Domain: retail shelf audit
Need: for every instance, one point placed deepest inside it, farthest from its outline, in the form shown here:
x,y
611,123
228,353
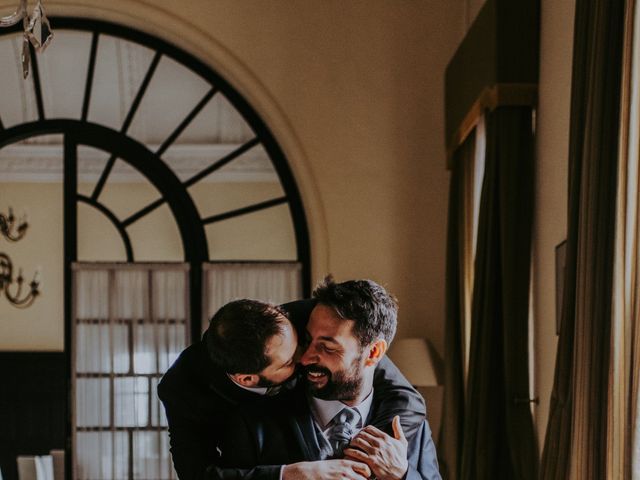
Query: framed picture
x,y
561,262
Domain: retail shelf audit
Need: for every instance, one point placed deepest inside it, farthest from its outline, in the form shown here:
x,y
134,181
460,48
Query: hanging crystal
x,y
25,57
39,30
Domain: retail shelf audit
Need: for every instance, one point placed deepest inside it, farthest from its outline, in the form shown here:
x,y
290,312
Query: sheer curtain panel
x,y
577,436
458,286
130,324
623,448
275,282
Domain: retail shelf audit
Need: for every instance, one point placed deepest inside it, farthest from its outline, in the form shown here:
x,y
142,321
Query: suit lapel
x,y
304,428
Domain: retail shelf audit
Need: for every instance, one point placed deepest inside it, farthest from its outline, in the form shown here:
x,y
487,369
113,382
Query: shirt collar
x,y
324,410
258,390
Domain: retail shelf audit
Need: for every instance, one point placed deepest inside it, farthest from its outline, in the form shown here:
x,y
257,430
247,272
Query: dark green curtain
x,y
450,442
593,151
498,439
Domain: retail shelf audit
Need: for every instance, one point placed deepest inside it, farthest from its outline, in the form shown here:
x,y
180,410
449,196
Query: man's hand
x,y
326,470
385,455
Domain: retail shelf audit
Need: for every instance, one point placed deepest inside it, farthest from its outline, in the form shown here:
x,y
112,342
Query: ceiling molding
x,y
22,163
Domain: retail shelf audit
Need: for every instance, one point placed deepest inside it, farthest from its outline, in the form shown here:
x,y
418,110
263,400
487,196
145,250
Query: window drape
x,y
498,437
459,242
576,438
130,324
623,449
275,282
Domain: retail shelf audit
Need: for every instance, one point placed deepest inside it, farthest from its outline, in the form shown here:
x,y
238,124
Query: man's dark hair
x,y
238,334
373,310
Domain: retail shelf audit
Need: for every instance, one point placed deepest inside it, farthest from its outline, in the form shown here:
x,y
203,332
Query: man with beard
x,y
331,415
247,353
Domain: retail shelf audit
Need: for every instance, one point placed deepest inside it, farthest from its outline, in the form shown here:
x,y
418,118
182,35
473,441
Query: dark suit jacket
x,y
199,398
283,433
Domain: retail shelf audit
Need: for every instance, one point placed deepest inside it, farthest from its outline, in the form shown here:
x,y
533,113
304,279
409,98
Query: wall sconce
x,y
37,30
14,231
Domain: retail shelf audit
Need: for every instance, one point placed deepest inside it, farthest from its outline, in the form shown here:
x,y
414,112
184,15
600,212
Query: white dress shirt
x,y
258,390
324,411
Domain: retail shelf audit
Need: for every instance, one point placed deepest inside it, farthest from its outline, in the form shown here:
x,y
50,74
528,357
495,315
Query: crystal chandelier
x,y
14,231
37,30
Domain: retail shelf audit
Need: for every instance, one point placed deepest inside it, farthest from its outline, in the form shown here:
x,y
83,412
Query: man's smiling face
x,y
333,360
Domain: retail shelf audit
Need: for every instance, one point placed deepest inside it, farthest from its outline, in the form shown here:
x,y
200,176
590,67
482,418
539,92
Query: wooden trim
x,y
122,266
498,95
212,265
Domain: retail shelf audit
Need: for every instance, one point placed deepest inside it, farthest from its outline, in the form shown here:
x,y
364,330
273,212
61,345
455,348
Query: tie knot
x,y
347,415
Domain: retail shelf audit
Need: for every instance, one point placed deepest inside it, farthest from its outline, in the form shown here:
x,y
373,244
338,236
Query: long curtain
x,y
498,436
458,249
623,449
275,282
130,324
632,263
576,439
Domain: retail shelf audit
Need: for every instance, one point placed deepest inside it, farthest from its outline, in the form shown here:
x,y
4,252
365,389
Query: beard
x,y
286,384
265,382
343,385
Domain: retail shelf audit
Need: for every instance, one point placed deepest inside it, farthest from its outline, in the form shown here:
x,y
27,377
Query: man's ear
x,y
376,351
246,379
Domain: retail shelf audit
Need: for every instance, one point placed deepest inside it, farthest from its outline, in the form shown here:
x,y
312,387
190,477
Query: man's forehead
x,y
325,322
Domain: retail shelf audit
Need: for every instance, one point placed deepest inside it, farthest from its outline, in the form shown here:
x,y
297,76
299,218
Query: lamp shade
x,y
414,359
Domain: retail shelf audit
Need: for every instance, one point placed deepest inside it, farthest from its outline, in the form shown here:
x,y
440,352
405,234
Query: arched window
x,y
159,159
118,103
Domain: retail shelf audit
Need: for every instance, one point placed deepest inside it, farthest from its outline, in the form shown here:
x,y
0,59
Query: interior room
x,y
477,158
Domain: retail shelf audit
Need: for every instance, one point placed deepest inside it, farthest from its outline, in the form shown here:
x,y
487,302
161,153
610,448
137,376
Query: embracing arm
x,y
394,457
245,444
194,449
422,457
394,395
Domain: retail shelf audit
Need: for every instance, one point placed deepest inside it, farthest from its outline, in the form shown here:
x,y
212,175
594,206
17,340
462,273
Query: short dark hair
x,y
374,311
238,334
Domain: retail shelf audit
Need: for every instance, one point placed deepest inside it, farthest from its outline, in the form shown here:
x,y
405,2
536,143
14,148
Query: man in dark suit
x,y
247,353
332,413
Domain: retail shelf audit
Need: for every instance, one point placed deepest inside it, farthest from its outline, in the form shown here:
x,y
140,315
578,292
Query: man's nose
x,y
308,357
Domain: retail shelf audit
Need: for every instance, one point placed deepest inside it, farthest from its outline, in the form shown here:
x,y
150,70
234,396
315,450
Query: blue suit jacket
x,y
283,433
199,399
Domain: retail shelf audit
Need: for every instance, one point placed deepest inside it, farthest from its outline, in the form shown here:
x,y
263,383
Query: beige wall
x,y
354,93
551,187
39,327
472,8
154,238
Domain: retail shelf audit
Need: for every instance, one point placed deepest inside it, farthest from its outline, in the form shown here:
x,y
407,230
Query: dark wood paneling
x,y
501,47
32,406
